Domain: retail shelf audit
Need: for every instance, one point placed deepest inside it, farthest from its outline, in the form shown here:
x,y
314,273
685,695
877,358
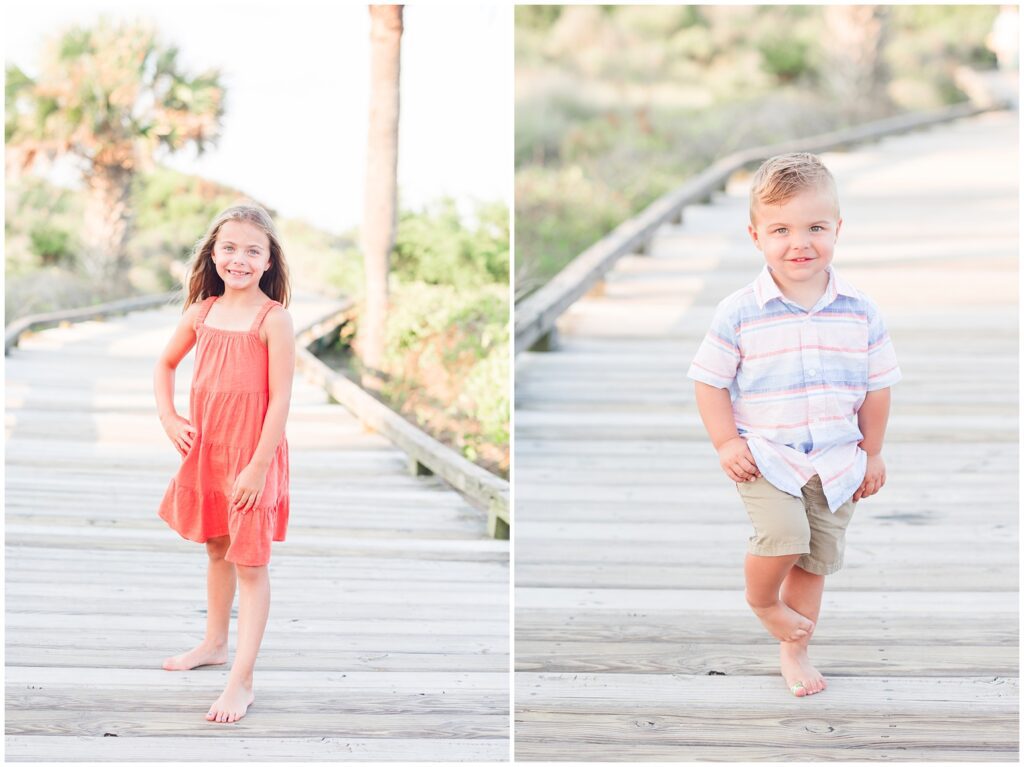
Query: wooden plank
x,y
270,658
680,626
128,723
283,700
782,730
366,609
875,575
672,693
924,603
143,678
397,626
907,659
252,749
289,641
554,751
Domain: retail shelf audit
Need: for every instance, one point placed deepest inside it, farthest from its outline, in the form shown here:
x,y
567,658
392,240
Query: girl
x,y
231,491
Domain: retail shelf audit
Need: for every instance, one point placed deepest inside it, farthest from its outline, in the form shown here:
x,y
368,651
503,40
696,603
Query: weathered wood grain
x,y
254,749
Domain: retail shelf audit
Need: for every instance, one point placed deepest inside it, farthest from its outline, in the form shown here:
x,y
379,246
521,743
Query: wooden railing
x,y
32,322
537,314
426,454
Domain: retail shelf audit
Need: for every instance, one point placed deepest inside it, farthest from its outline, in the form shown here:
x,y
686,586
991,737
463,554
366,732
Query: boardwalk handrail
x,y
32,322
471,480
536,315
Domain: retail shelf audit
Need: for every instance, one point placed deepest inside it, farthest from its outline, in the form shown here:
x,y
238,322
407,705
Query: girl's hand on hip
x,y
181,433
874,478
248,489
737,461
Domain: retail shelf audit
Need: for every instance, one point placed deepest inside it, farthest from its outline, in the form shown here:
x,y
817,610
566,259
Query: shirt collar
x,y
765,288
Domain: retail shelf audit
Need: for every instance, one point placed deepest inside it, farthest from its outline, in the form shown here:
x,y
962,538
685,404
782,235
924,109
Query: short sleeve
x,y
883,370
719,355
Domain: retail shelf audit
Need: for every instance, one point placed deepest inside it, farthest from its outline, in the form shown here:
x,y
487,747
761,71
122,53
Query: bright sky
x,y
297,80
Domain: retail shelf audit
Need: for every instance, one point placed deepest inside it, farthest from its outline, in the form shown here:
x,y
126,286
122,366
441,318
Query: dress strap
x,y
270,304
204,309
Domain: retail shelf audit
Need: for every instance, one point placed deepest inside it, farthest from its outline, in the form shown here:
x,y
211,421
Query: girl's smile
x,y
242,252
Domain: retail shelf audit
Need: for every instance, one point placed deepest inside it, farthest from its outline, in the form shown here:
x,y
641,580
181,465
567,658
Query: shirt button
x,y
812,372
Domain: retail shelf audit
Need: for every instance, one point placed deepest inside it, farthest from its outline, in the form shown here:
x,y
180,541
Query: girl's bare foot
x,y
232,703
204,654
783,622
801,677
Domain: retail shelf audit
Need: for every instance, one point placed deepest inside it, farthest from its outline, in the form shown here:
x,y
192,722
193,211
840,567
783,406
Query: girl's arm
x,y
248,487
178,429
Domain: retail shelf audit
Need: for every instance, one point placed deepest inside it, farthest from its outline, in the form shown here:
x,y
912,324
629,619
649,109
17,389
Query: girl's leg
x,y
220,593
765,576
253,609
802,591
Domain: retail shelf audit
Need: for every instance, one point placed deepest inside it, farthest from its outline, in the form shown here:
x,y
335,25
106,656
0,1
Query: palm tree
x,y
109,96
380,203
857,36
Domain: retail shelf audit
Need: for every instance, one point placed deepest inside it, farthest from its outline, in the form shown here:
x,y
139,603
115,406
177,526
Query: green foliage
x,y
784,58
559,212
446,357
51,244
537,16
436,247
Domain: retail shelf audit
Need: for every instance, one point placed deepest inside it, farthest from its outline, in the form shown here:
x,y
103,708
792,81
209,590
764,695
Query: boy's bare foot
x,y
203,654
784,623
801,677
232,703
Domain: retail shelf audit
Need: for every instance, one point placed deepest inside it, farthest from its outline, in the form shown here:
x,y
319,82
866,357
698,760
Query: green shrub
x,y
435,246
446,361
51,244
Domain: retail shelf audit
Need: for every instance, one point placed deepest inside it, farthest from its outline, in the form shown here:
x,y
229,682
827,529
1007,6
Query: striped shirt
x,y
797,379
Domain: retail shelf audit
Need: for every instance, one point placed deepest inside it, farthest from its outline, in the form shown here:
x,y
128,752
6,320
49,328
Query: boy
x,y
793,385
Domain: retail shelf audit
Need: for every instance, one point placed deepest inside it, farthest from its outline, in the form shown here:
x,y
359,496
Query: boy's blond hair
x,y
781,177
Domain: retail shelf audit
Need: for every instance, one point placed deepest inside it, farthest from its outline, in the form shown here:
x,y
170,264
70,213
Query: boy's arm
x,y
715,407
872,419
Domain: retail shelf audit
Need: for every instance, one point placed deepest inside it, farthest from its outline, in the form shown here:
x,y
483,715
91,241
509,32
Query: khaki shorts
x,y
785,524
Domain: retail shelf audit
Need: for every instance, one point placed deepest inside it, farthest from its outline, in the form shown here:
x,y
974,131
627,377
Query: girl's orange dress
x,y
227,406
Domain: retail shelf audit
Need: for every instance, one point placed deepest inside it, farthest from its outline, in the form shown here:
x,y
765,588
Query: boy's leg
x,y
220,593
802,591
765,576
253,610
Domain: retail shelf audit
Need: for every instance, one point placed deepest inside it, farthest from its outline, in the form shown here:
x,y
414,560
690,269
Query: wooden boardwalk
x,y
633,640
388,631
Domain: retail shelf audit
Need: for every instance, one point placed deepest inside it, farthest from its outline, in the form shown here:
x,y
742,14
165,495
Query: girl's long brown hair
x,y
203,279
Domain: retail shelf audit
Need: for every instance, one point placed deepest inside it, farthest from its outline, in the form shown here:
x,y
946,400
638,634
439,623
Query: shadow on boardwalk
x,y
633,640
388,632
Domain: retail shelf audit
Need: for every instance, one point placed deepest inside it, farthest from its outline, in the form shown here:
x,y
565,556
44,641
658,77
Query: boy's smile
x,y
797,238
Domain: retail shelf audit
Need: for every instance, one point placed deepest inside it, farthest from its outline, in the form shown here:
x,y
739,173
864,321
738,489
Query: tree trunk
x,y
107,224
380,202
856,36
